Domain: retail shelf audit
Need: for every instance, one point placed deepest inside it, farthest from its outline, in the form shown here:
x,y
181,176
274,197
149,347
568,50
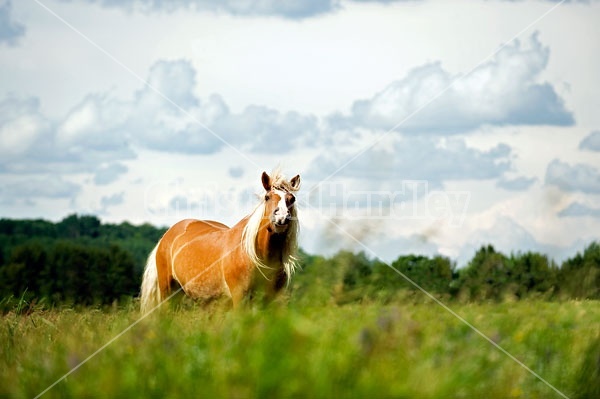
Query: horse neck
x,y
270,246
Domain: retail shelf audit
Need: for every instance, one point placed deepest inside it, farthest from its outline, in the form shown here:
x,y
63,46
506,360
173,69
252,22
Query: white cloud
x,y
591,142
10,30
173,79
180,203
557,1
579,177
30,142
520,183
417,158
92,134
93,123
508,236
236,172
282,8
502,91
50,186
288,9
101,130
168,116
330,236
109,173
112,200
577,209
263,130
21,127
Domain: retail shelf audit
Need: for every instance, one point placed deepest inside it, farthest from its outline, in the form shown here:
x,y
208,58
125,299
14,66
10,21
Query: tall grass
x,y
354,351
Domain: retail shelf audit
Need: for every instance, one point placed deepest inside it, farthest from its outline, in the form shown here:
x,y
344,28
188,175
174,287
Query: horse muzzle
x,y
280,222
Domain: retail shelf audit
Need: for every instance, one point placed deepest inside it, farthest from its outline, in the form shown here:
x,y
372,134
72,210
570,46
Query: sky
x,y
417,126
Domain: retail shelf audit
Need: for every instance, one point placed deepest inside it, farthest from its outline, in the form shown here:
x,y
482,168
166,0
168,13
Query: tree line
x,y
489,276
80,260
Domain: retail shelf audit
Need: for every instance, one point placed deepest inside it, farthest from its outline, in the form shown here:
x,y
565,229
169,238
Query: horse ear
x,y
295,182
266,181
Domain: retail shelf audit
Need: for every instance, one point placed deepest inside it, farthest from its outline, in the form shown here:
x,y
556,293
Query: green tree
x,y
430,274
74,226
486,276
355,268
579,277
24,271
119,275
77,259
532,273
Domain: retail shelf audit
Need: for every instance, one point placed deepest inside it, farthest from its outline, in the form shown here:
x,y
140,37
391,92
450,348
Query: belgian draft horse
x,y
208,259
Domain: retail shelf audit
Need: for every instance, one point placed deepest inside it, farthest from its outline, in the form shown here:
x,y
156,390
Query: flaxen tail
x,y
150,293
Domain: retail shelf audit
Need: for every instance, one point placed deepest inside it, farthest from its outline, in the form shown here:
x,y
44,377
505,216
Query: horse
x,y
207,259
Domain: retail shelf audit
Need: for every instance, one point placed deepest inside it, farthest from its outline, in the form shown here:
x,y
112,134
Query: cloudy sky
x,y
417,126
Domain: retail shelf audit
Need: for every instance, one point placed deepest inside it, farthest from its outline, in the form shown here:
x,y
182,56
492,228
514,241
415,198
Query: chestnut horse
x,y
208,259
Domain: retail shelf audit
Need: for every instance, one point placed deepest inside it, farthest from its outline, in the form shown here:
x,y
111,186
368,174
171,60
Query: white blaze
x,y
282,210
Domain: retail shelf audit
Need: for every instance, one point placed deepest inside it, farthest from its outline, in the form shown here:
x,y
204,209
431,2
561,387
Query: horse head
x,y
279,202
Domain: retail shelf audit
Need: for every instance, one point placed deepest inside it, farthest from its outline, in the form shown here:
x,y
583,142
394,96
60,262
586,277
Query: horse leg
x,y
238,280
237,296
164,276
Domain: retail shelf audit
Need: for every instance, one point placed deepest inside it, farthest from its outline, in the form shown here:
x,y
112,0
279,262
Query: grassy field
x,y
288,350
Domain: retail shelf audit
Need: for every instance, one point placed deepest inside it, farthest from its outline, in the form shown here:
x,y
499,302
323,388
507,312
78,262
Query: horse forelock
x,y
279,181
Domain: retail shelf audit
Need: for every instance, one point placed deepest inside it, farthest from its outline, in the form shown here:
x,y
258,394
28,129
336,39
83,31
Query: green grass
x,y
365,350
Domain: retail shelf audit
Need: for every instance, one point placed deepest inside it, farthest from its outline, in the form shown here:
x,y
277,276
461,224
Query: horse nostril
x,y
276,211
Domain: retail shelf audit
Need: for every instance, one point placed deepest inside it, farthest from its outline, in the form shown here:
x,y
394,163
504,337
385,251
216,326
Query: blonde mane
x,y
290,248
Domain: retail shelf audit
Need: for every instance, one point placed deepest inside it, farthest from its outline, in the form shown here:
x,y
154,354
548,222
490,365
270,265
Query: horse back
x,y
199,227
181,233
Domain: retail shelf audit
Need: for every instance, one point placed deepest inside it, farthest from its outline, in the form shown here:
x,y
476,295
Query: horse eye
x,y
290,199
267,197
